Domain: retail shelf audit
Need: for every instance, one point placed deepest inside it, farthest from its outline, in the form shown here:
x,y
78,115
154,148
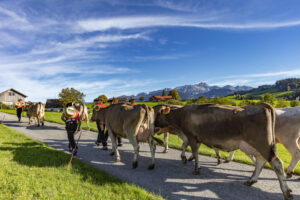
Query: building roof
x,y
11,89
52,103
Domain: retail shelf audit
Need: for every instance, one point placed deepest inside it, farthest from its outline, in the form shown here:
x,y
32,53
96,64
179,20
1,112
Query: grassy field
x,y
31,170
175,142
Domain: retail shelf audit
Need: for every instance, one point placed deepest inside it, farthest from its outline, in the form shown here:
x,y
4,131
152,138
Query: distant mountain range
x,y
194,91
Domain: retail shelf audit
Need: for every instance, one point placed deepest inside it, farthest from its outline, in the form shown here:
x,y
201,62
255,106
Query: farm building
x,y
52,105
160,98
10,96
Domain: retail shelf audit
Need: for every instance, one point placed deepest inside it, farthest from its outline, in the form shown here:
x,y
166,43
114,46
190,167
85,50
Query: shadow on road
x,y
161,180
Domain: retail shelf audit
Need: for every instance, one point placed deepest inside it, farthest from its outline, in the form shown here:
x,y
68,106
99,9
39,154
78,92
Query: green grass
x,y
285,156
176,143
31,170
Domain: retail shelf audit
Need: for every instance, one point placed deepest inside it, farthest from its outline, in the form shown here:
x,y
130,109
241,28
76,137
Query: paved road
x,y
170,178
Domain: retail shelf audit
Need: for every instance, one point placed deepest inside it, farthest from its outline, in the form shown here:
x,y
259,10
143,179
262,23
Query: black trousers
x,y
71,128
19,113
102,134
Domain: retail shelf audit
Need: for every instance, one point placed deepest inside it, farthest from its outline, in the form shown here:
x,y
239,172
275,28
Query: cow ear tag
x,y
166,110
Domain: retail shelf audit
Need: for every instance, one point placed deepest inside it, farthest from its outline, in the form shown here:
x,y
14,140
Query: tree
x,y
164,93
174,94
104,98
269,98
142,99
70,95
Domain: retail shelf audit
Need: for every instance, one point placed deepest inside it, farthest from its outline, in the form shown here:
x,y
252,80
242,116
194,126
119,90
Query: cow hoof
x,y
183,159
38,125
151,167
288,195
134,165
43,124
118,160
227,161
112,153
289,175
166,151
191,158
220,162
249,183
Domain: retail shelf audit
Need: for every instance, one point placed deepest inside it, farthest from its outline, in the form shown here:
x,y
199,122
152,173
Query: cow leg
x,y
38,121
230,158
184,146
260,163
195,147
29,120
43,121
220,161
136,147
191,158
166,140
294,149
87,124
277,165
114,146
152,149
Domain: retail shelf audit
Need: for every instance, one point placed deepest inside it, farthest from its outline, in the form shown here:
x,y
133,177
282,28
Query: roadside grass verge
x,y
31,170
175,142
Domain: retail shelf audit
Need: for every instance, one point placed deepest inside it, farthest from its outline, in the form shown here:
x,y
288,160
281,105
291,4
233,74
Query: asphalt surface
x,y
170,178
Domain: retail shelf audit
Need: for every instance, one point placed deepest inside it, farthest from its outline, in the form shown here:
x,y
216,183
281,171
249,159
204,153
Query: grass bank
x,y
31,170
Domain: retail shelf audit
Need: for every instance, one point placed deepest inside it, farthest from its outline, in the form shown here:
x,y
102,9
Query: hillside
x,y
196,90
286,88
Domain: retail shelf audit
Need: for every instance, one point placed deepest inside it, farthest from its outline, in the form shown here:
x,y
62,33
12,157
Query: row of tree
x,y
73,95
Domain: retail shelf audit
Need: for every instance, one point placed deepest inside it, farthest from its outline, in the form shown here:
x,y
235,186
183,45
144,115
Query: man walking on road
x,y
19,105
71,117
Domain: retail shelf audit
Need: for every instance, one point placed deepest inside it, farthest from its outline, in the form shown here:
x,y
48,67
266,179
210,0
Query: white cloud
x,y
134,22
290,73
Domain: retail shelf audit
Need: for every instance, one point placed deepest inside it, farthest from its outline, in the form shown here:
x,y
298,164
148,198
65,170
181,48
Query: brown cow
x,y
223,127
37,111
287,132
133,122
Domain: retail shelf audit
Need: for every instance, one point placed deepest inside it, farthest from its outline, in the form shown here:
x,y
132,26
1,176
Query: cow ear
x,y
167,110
97,108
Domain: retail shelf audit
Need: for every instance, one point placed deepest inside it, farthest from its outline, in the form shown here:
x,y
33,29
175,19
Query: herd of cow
x,y
254,129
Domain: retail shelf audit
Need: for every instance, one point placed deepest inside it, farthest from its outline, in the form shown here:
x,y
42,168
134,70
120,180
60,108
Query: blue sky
x,y
117,47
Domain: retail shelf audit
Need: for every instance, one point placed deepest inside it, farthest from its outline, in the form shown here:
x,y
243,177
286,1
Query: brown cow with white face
x,y
223,127
133,122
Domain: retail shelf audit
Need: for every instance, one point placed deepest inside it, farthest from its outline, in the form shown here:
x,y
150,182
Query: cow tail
x,y
273,118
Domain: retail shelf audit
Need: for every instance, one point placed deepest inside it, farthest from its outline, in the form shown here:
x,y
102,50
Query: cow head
x,y
97,114
161,113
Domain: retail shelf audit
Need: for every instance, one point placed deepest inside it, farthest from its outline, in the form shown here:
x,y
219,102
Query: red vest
x,y
102,105
134,104
20,105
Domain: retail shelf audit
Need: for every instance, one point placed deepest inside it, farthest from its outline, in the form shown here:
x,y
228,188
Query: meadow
x,y
33,170
175,142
